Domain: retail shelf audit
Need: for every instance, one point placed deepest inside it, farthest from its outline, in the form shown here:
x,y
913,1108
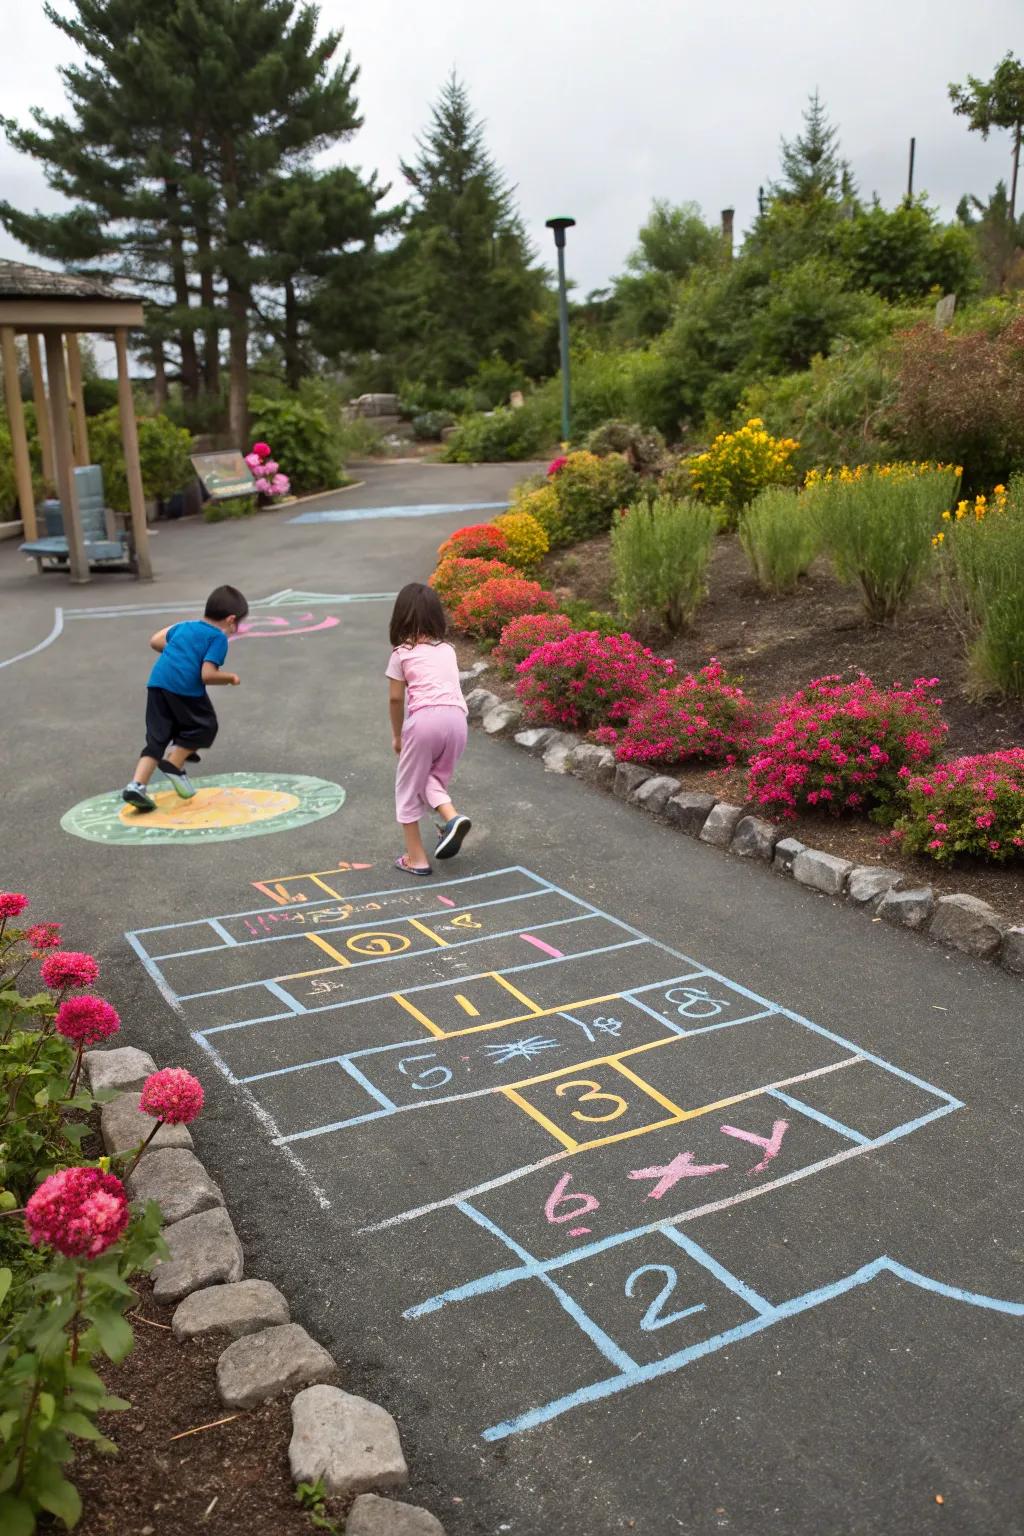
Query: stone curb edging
x,y
348,1443
959,921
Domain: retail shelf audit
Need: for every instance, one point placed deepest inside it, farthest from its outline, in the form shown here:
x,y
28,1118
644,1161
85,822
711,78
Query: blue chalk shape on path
x,y
364,514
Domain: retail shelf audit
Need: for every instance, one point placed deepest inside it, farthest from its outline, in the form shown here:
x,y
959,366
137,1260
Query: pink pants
x,y
433,740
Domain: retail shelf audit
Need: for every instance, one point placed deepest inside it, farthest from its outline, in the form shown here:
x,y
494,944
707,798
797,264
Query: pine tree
x,y
811,164
464,271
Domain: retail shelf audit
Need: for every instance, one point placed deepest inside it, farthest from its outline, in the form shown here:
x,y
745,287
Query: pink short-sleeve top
x,y
430,672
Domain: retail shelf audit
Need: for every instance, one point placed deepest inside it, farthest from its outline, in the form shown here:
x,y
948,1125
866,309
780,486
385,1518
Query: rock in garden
x,y
123,1069
968,924
501,718
471,673
868,884
908,909
821,871
557,753
351,1444
373,1516
593,764
1013,951
479,701
124,1127
177,1181
754,838
536,738
786,850
247,1306
204,1250
720,825
263,1365
654,793
628,778
689,810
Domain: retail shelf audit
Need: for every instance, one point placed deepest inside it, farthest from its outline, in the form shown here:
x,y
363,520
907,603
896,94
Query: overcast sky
x,y
594,107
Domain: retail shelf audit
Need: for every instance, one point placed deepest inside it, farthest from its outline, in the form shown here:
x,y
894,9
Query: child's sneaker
x,y
138,795
180,781
450,837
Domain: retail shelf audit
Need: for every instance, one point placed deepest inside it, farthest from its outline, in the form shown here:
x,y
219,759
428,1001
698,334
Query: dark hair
x,y
417,613
226,603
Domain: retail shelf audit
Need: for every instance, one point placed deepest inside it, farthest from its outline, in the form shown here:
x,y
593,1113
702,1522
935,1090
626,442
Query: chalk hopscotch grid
x,y
628,1371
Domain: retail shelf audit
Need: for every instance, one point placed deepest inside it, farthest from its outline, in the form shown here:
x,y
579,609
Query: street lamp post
x,y
559,226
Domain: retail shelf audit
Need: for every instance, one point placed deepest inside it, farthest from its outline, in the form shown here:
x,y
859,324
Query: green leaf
x,y
16,1517
56,1494
5,1283
114,1334
8,1200
47,1407
73,1422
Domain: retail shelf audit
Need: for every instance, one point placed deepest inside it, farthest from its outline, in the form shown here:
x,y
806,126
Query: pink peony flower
x,y
173,1095
263,449
78,1211
12,903
263,485
68,968
271,467
280,485
43,936
86,1020
253,460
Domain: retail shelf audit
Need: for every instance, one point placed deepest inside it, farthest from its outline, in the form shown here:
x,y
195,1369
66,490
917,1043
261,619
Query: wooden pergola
x,y
59,308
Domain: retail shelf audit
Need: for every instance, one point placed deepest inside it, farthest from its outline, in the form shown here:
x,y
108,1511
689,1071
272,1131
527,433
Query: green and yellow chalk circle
x,y
229,806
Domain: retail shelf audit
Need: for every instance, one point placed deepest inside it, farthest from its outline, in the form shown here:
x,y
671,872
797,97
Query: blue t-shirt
x,y
179,667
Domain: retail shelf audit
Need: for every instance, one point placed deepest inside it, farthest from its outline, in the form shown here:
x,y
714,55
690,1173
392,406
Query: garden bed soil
x,y
219,1482
776,645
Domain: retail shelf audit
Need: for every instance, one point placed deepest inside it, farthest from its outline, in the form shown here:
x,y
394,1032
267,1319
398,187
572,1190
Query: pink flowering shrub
x,y
704,716
556,465
68,968
173,1096
270,482
43,936
480,541
588,679
86,1020
840,746
972,805
12,904
78,1211
484,612
455,577
521,636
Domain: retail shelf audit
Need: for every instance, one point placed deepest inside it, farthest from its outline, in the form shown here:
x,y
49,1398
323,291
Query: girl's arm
x,y
396,709
213,674
159,640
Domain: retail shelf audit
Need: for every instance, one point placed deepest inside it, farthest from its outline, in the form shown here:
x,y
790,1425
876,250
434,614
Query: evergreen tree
x,y
811,164
995,103
672,242
464,272
998,240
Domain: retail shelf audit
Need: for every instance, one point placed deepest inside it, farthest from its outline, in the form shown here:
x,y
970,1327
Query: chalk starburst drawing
x,y
518,1050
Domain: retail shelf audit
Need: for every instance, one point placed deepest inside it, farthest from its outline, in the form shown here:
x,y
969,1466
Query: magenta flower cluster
x,y
86,1020
703,716
172,1095
12,904
78,1211
68,968
556,465
269,479
840,746
971,805
588,680
520,637
486,609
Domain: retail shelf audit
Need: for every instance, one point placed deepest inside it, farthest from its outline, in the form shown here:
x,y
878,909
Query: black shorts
x,y
177,719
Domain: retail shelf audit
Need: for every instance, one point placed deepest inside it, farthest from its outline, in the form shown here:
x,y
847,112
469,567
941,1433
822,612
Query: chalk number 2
x,y
653,1318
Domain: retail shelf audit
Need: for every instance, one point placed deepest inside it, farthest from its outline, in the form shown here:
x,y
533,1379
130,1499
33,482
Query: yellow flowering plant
x,y
526,538
739,464
981,561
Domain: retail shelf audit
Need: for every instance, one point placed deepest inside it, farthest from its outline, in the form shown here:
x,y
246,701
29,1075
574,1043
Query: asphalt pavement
x,y
648,1191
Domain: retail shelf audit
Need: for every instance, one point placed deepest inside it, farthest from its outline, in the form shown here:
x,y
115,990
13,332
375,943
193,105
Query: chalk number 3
x,y
594,1093
654,1318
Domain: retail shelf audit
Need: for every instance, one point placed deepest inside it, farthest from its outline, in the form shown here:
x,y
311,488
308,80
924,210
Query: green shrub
x,y
583,617
984,561
8,484
590,490
164,451
305,438
503,435
643,447
428,425
779,537
877,527
99,395
233,506
660,554
358,438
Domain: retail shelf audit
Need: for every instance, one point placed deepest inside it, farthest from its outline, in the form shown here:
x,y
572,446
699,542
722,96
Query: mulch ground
x,y
777,645
219,1482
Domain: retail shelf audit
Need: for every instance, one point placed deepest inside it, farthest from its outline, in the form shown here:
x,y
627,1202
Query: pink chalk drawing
x,y
446,901
771,1144
556,954
266,626
681,1167
582,1204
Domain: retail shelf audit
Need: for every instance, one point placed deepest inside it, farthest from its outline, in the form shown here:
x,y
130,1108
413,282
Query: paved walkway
x,y
648,1191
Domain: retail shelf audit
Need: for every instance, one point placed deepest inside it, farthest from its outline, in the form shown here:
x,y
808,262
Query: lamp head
x,y
559,226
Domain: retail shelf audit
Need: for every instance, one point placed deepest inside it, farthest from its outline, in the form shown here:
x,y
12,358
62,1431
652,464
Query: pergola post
x,y
19,442
35,362
130,443
77,400
63,457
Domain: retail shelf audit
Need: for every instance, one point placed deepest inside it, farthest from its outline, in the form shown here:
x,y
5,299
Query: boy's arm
x,y
213,674
159,640
396,709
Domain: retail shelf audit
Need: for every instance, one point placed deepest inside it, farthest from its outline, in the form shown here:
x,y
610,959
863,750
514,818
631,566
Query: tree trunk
x,y
1013,181
211,332
292,353
238,367
159,377
179,277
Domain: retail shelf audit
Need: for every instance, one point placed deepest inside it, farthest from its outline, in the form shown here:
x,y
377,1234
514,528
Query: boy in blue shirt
x,y
179,715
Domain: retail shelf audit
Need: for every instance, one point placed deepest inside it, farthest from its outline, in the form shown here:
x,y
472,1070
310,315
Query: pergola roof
x,y
20,281
33,299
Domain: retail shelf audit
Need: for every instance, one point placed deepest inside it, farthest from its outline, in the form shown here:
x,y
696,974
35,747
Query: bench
x,y
106,547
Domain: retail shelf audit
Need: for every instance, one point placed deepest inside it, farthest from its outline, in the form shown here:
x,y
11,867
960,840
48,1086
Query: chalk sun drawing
x,y
643,1092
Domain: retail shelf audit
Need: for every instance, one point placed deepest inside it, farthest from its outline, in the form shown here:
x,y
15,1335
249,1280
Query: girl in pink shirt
x,y
428,724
